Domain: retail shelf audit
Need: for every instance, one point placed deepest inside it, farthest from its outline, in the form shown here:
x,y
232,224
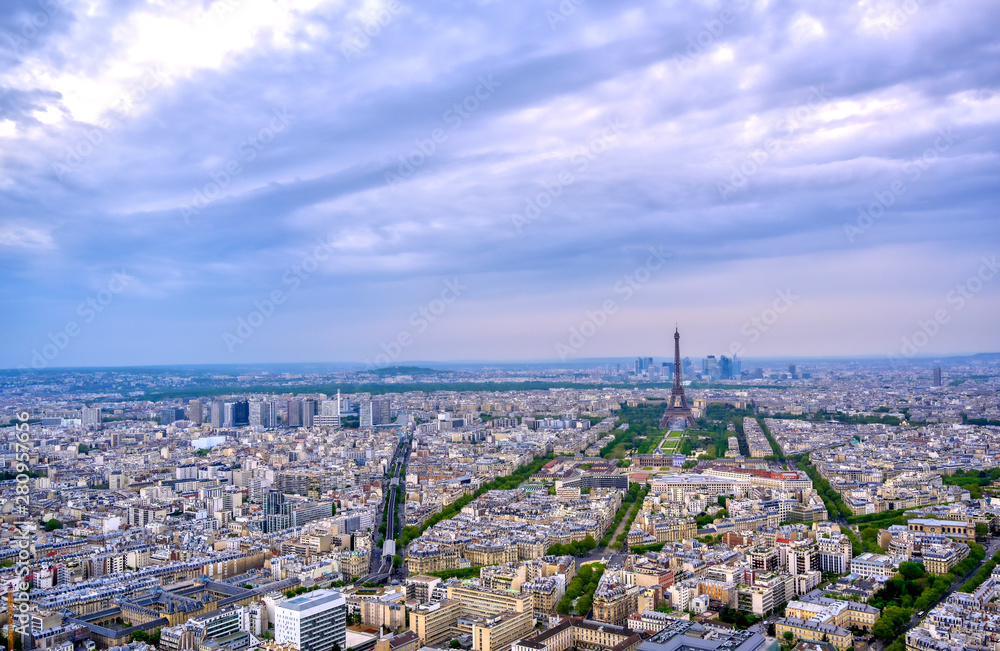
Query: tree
x,y
982,531
883,630
53,524
789,636
397,560
911,571
455,644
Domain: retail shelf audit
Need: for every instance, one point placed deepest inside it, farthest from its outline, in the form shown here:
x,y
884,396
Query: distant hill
x,y
409,370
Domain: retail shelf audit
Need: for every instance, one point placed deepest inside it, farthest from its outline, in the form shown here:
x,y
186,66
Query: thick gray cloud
x,y
536,152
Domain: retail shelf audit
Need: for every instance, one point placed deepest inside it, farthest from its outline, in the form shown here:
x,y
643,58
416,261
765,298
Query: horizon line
x,y
480,362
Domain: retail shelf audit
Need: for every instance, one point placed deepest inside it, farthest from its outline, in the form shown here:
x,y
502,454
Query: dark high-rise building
x,y
241,413
169,415
791,372
725,368
937,376
272,502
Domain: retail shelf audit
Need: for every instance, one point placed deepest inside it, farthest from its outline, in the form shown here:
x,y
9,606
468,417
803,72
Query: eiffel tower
x,y
677,407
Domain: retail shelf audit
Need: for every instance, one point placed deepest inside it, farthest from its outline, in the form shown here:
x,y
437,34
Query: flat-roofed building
x,y
675,486
499,632
481,601
435,622
316,621
869,565
420,587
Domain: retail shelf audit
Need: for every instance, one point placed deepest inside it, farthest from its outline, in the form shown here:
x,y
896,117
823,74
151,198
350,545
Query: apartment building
x,y
434,623
869,565
476,600
499,632
815,631
315,621
582,633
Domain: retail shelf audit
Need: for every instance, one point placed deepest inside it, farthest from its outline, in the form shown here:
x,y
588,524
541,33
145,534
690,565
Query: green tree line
x,y
581,589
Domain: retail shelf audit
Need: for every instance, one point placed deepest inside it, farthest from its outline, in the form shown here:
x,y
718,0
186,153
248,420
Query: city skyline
x,y
221,182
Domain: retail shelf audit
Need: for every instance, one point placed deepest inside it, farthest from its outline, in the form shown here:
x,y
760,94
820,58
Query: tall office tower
x,y
737,367
725,368
791,371
647,363
241,413
293,414
262,414
315,621
937,376
228,415
638,366
91,416
196,412
272,502
376,411
218,415
169,415
308,412
329,414
710,366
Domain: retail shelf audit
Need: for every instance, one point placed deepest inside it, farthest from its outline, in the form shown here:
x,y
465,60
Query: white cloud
x,y
25,237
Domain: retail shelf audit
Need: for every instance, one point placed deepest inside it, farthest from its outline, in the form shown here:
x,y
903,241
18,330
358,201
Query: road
x,y
381,568
603,553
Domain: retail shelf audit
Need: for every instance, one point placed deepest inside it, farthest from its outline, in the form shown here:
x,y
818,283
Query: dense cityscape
x,y
649,505
534,325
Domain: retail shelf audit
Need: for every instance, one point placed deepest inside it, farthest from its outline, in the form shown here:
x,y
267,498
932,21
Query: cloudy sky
x,y
193,181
